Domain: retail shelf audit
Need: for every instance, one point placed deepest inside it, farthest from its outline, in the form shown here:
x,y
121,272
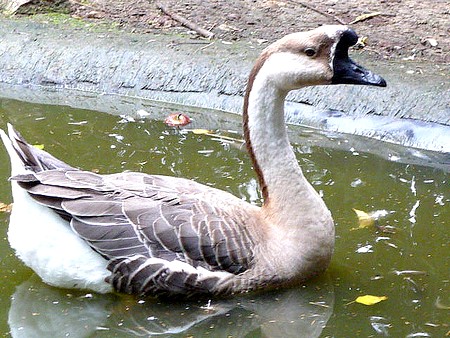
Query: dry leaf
x,y
370,300
364,17
201,131
5,207
177,120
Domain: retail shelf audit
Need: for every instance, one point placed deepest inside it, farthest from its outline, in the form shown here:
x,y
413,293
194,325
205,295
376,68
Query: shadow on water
x,y
42,311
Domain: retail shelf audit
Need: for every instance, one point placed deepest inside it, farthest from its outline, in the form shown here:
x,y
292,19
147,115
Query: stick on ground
x,y
185,22
342,22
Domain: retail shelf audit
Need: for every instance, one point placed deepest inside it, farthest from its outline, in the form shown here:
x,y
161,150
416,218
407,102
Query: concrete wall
x,y
213,75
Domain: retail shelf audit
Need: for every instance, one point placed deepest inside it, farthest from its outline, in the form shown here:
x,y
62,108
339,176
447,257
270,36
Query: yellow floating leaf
x,y
370,300
201,131
39,146
5,207
365,220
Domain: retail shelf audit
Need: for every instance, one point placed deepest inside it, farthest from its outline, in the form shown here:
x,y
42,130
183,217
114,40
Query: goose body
x,y
154,235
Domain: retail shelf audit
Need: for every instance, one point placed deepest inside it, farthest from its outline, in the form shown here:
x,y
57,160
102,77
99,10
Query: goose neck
x,y
280,176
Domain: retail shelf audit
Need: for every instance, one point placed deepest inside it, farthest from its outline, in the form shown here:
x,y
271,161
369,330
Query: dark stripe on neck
x,y
262,184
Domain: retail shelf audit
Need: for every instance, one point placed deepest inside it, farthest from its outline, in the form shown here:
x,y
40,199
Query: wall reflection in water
x,y
38,310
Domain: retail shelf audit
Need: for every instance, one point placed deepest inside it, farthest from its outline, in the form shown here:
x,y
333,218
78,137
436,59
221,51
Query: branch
x,y
342,22
185,22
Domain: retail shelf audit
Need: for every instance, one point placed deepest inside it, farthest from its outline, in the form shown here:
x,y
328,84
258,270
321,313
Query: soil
x,y
394,29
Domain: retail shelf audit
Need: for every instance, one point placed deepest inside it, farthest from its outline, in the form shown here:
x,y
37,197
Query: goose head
x,y
316,57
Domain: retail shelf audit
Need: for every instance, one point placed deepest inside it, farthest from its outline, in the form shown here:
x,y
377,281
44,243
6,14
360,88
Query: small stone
x,y
429,42
94,15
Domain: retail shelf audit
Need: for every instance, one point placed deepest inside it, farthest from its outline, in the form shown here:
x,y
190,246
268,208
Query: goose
x,y
152,235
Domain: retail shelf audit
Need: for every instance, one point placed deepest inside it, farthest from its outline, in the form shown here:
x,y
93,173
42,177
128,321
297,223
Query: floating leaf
x,y
177,120
5,207
370,300
39,146
201,131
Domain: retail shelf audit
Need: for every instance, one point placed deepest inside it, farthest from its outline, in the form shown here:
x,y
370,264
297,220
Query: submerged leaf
x,y
439,305
368,219
365,220
370,300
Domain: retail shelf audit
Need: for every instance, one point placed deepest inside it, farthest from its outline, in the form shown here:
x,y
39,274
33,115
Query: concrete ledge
x,y
213,75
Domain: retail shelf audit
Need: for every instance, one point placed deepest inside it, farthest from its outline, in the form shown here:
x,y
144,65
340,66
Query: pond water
x,y
403,255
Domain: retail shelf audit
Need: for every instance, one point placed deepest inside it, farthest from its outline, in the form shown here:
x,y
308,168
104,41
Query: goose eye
x,y
310,52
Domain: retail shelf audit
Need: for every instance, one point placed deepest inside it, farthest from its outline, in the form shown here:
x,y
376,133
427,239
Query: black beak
x,y
346,71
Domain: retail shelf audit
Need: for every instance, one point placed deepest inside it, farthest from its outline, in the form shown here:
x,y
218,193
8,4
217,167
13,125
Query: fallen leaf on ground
x,y
364,17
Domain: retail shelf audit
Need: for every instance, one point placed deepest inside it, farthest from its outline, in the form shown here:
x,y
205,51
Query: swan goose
x,y
157,235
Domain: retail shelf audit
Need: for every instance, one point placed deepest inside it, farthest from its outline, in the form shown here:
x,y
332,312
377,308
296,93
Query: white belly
x,y
46,243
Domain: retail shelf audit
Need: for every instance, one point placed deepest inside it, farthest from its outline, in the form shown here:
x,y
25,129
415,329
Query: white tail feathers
x,y
17,165
26,158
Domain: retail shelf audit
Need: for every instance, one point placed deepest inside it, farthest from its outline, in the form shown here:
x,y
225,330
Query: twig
x,y
186,22
204,47
364,17
342,22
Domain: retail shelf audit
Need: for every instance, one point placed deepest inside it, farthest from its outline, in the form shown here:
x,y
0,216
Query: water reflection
x,y
403,255
38,310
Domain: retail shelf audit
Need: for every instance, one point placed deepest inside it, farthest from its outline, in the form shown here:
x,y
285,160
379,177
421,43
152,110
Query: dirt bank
x,y
394,29
92,48
398,28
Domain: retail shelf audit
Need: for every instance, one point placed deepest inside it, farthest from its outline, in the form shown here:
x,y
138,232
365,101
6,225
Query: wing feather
x,y
93,206
153,216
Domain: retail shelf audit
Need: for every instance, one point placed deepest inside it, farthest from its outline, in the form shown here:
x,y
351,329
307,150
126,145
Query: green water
x,y
404,256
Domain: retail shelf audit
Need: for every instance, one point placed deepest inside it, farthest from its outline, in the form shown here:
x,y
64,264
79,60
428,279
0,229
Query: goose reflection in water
x,y
39,310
